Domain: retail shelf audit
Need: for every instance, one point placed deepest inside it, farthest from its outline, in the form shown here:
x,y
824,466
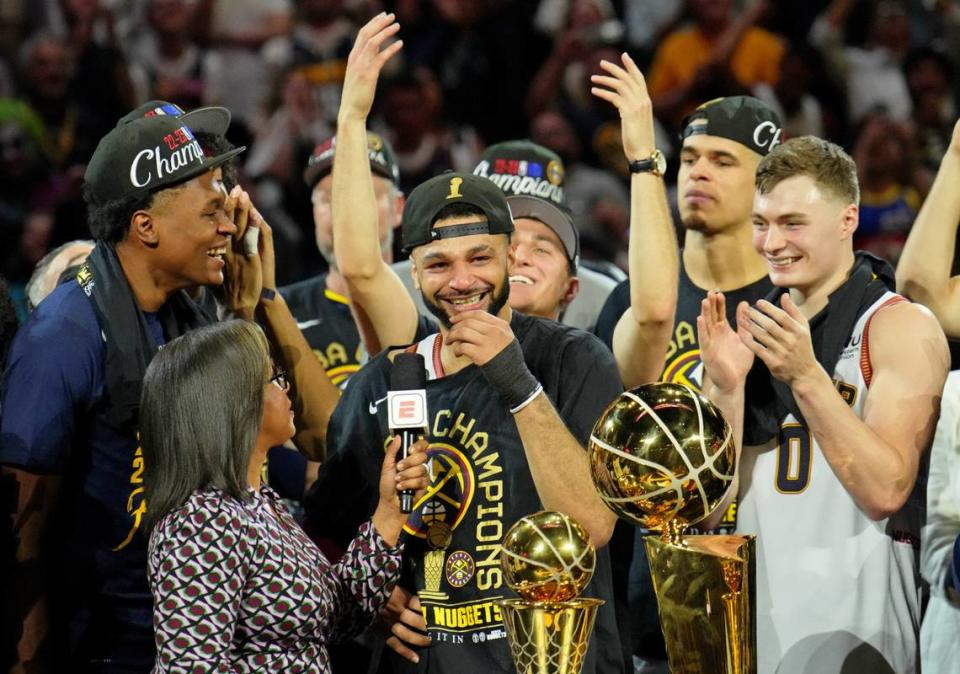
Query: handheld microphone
x,y
407,408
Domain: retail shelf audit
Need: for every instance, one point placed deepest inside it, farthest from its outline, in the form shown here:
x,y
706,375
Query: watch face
x,y
659,162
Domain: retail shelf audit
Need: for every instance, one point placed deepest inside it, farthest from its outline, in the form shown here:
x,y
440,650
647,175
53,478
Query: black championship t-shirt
x,y
683,364
481,485
324,318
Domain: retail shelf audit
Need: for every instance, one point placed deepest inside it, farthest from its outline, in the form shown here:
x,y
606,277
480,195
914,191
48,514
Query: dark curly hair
x,y
214,145
109,221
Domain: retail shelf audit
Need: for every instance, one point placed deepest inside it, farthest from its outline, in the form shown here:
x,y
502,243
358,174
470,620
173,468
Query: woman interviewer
x,y
236,584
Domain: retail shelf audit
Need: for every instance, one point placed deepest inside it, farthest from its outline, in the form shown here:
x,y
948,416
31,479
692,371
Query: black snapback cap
x,y
743,119
523,168
383,161
214,119
432,196
146,154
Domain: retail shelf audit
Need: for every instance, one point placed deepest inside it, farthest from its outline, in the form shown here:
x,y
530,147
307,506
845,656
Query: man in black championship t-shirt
x,y
320,304
723,142
511,402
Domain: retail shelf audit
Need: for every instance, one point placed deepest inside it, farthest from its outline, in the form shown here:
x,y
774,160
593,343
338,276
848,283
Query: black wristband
x,y
508,374
267,294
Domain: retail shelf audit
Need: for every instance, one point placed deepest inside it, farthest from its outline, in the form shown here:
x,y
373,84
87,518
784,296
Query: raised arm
x,y
923,273
642,334
726,362
827,33
252,293
314,395
371,283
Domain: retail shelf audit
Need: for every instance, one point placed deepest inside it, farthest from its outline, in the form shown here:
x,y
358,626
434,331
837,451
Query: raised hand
x,y
725,356
409,473
365,62
268,262
243,277
479,336
626,89
781,339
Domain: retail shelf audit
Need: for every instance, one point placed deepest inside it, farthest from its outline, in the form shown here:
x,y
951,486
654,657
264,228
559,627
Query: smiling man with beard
x,y
511,400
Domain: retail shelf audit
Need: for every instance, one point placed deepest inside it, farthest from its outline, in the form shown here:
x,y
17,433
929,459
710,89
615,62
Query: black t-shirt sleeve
x,y
347,487
616,305
589,382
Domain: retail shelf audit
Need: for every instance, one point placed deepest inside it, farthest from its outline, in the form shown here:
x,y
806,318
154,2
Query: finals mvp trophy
x,y
547,559
663,457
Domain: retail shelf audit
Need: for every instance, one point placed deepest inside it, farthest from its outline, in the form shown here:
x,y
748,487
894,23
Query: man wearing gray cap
x,y
71,393
532,177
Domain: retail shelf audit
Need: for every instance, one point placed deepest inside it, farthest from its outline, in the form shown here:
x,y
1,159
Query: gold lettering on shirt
x,y
136,497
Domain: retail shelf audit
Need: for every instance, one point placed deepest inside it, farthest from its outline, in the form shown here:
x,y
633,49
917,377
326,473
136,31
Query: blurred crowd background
x,y
875,76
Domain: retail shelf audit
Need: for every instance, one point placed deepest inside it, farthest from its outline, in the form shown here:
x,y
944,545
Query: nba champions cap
x,y
213,120
432,196
146,154
383,162
521,167
531,176
743,119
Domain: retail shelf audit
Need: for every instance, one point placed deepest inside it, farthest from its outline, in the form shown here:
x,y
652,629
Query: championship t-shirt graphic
x,y
480,484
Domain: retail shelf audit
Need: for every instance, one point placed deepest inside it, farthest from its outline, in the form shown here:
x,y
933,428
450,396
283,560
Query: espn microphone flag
x,y
407,408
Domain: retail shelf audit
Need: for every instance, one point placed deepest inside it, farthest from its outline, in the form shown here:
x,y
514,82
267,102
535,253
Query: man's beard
x,y
694,222
497,302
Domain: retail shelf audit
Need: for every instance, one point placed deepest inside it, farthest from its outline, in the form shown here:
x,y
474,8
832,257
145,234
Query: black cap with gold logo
x,y
430,197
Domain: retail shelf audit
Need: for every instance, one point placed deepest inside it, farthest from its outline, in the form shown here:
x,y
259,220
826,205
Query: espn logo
x,y
407,409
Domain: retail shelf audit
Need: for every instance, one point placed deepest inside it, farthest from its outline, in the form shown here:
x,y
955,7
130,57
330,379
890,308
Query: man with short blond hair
x,y
832,427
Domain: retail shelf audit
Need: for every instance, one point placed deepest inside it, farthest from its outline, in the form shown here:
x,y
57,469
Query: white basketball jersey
x,y
836,591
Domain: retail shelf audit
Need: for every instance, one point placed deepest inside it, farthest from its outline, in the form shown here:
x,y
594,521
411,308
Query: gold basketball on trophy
x,y
662,453
547,556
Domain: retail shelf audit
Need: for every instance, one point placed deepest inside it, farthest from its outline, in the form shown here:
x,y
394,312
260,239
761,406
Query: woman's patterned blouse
x,y
238,587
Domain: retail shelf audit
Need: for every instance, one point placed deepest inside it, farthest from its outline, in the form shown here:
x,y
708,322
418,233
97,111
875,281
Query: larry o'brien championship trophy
x,y
662,457
547,559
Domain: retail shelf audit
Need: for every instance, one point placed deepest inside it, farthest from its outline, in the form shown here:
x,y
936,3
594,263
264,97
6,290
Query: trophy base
x,y
705,587
549,637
